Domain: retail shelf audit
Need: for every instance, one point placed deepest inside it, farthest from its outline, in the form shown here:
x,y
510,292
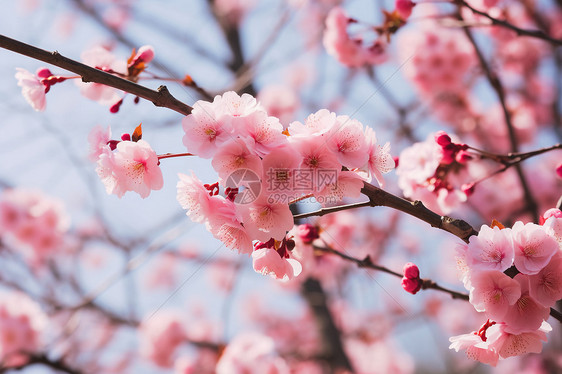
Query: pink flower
x,y
196,198
522,343
261,132
267,261
279,101
279,174
553,225
98,139
380,161
526,314
32,89
36,223
235,155
160,335
350,51
103,59
265,220
317,123
251,353
318,158
347,184
476,348
440,61
226,225
546,285
417,163
204,133
491,249
133,167
533,247
347,141
493,292
494,342
22,322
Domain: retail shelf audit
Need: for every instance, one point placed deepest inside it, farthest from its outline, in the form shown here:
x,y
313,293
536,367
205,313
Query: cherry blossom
x,y
347,50
103,59
133,167
265,219
493,292
526,314
22,324
491,249
380,161
160,335
32,89
533,247
251,353
546,285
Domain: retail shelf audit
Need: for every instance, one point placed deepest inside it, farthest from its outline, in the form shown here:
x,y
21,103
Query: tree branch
x,y
161,97
531,204
42,359
519,31
330,342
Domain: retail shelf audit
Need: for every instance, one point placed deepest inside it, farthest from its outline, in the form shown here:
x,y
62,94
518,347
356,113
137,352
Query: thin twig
x,y
493,79
519,31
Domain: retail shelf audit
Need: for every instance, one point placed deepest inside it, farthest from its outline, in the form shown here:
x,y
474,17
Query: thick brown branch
x,y
331,345
379,197
161,97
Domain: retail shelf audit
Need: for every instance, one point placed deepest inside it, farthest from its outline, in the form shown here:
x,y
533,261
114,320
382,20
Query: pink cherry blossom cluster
x,y
251,353
22,323
514,276
440,61
129,164
264,168
161,336
348,50
33,223
434,172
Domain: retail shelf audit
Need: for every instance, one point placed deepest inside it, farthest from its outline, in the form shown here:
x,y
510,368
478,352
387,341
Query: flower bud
x,y
307,233
442,138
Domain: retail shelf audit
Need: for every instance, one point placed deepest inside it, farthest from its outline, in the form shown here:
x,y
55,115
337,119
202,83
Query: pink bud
x,y
559,171
468,189
553,212
411,285
307,233
44,73
145,54
404,8
463,157
115,107
411,270
442,138
396,161
126,137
